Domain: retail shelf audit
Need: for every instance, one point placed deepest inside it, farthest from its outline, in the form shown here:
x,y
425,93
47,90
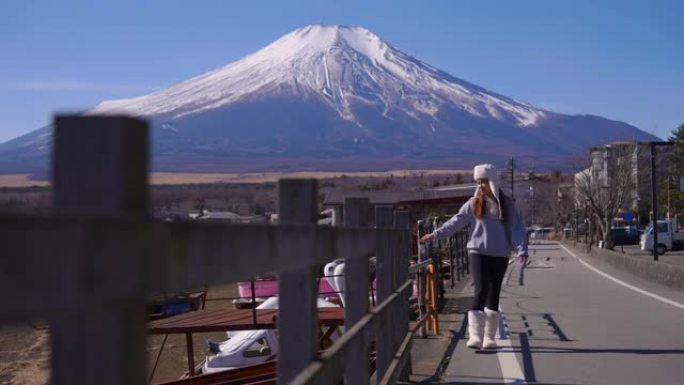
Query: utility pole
x,y
557,216
533,198
576,224
669,207
586,225
512,177
654,201
654,197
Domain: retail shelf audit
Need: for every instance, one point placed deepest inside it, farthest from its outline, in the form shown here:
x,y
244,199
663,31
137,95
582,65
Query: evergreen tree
x,y
677,171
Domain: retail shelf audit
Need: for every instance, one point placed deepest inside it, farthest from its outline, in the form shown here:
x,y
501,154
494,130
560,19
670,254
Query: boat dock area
x,y
113,257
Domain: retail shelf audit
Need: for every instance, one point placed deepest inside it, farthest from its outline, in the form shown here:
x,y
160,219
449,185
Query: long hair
x,y
480,205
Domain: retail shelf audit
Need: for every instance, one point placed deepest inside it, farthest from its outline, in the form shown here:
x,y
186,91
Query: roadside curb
x,y
663,273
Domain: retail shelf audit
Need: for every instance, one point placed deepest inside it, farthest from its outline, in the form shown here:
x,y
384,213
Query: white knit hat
x,y
488,171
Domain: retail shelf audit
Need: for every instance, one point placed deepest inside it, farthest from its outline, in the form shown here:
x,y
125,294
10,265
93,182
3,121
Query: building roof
x,y
390,197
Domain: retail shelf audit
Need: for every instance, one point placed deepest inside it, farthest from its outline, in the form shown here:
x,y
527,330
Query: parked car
x,y
625,236
669,237
539,232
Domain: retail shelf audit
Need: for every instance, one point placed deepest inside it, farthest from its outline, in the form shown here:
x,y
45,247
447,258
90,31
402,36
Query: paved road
x,y
570,320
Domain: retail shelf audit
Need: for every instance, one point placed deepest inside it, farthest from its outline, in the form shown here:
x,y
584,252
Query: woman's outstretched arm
x,y
463,218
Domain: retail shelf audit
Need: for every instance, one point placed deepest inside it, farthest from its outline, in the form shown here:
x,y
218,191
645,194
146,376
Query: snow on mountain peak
x,y
342,66
314,39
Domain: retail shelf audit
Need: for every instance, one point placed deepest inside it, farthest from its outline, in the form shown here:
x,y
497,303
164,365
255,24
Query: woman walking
x,y
496,230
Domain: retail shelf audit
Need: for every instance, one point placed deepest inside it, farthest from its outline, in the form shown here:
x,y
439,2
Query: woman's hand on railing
x,y
426,238
523,259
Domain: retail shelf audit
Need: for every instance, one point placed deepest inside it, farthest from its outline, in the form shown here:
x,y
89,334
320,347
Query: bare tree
x,y
608,184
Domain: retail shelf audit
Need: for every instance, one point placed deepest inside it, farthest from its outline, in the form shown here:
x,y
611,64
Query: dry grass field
x,y
171,178
25,348
20,180
164,178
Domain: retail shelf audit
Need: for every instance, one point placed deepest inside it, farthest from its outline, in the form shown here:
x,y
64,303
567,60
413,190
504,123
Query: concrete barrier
x,y
663,273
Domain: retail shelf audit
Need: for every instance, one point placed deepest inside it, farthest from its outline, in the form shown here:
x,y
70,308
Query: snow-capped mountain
x,y
333,97
339,65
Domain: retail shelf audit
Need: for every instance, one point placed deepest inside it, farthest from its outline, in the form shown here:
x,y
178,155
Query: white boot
x,y
491,325
476,324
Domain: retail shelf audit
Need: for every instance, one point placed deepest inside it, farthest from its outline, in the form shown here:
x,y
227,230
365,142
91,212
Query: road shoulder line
x,y
625,284
508,361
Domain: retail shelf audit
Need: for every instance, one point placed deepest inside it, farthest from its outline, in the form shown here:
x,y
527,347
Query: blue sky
x,y
620,59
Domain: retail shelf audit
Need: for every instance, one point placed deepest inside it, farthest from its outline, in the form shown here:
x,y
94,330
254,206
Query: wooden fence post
x,y
298,292
100,170
356,293
402,221
384,250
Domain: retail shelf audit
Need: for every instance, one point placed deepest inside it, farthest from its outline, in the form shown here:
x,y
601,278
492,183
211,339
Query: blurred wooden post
x,y
402,221
356,293
100,170
298,292
385,346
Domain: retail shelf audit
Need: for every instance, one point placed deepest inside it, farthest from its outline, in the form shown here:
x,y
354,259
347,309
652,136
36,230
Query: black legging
x,y
488,273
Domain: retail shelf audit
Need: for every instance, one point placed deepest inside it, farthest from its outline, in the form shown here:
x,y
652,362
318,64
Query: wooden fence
x,y
90,268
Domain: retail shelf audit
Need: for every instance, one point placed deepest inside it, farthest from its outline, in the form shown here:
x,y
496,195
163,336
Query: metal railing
x,y
450,254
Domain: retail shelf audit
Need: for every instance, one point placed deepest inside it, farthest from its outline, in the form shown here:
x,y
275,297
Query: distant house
x,y
420,203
